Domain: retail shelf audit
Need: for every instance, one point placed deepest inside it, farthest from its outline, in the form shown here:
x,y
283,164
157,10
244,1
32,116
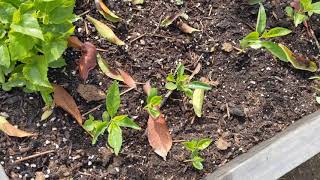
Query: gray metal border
x,y
277,156
3,175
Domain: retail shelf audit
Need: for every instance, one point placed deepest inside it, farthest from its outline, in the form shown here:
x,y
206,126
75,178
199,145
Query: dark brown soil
x,y
271,94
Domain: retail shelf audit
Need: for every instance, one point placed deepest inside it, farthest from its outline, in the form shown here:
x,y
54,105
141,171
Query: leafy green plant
x,y
258,39
153,103
195,146
110,121
33,36
300,11
180,81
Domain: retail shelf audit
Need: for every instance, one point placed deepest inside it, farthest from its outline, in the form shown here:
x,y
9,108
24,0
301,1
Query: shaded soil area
x,y
270,95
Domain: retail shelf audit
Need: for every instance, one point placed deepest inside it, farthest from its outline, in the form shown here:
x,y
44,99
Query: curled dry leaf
x,y
105,11
64,100
222,144
46,114
88,59
10,130
197,101
74,42
298,61
158,135
137,2
90,92
184,27
111,73
127,79
105,31
170,19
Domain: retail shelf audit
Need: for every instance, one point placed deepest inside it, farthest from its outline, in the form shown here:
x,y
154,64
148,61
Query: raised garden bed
x,y
265,95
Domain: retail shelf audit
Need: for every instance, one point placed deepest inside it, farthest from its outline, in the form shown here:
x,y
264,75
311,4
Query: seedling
x,y
181,82
195,146
110,121
301,10
256,40
153,103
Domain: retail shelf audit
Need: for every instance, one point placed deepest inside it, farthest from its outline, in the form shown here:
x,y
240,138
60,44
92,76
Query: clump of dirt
x,y
262,95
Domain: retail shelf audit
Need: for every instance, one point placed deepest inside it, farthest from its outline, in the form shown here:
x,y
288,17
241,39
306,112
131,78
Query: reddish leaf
x,y
64,100
127,79
184,27
88,60
296,5
74,42
10,130
147,87
158,135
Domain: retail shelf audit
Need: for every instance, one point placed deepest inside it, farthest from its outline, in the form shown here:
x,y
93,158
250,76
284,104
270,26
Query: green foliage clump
x,y
153,103
110,121
302,10
33,36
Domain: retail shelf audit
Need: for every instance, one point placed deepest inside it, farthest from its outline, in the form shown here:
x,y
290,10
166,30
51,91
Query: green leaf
x,y
156,100
190,145
26,24
306,4
171,78
36,71
89,124
103,65
197,162
290,12
315,8
125,121
153,92
20,46
115,137
58,63
204,143
47,98
252,37
298,18
113,99
171,86
262,20
180,72
6,12
188,92
276,32
199,85
54,48
105,116
275,50
153,112
197,101
100,128
4,56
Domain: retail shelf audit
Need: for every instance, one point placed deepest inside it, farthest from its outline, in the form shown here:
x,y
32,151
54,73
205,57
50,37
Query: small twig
x,y
86,28
166,98
102,50
228,111
179,141
127,90
33,156
192,120
137,38
86,174
84,13
93,109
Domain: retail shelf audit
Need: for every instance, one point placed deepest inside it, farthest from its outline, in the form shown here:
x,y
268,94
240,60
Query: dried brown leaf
x,y
90,92
147,87
88,59
10,130
184,27
227,47
64,100
74,42
222,144
127,79
158,135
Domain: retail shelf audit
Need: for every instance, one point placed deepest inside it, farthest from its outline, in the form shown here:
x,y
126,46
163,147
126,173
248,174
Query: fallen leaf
x,y
111,73
197,101
64,100
105,11
299,62
147,88
227,47
222,144
90,93
46,114
40,176
74,42
10,130
137,2
184,27
158,135
170,19
105,31
127,79
88,59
